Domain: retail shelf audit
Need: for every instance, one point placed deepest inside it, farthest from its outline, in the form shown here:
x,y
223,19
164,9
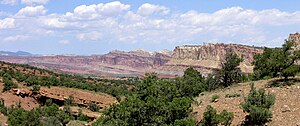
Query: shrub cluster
x,y
257,104
211,118
45,115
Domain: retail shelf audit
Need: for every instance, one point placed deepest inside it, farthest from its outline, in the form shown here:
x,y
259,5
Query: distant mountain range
x,y
205,58
18,53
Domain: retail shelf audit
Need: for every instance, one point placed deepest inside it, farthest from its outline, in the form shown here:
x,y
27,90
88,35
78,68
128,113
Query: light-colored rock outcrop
x,y
211,55
296,39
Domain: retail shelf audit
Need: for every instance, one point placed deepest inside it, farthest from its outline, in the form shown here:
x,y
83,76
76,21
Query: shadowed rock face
x,y
205,58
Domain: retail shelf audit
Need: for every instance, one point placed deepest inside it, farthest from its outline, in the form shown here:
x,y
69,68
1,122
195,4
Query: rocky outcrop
x,y
135,59
296,39
59,94
211,55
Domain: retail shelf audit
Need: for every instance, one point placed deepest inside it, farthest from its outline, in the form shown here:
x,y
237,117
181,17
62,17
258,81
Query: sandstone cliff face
x,y
296,38
211,55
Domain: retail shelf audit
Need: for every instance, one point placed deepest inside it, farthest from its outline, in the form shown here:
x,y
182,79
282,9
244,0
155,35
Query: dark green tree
x,y
210,117
277,62
192,83
155,102
230,72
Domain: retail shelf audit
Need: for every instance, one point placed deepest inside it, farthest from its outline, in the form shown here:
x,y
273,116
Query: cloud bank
x,y
118,23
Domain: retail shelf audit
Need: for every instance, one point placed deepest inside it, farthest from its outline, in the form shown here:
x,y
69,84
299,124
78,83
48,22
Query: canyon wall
x,y
211,55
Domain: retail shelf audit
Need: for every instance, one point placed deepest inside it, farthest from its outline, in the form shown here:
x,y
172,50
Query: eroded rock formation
x,y
80,97
211,55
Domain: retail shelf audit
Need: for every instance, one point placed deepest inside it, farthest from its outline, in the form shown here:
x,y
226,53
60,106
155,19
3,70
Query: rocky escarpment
x,y
211,55
114,63
296,39
135,59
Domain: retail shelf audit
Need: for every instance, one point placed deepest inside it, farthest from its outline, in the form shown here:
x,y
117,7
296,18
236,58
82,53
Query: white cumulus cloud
x,y
7,23
9,2
32,2
117,22
149,9
32,11
100,10
93,36
15,38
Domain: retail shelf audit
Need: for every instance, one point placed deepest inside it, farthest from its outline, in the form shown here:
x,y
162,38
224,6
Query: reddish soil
x,y
85,111
82,97
3,119
10,99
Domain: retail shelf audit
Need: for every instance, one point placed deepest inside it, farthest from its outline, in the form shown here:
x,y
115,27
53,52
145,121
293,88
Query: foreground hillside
x,y
286,109
26,89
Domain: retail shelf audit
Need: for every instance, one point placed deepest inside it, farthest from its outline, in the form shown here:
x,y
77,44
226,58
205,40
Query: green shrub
x,y
48,102
35,89
185,122
83,117
70,100
3,108
211,118
225,117
94,107
8,84
232,95
214,98
257,104
51,121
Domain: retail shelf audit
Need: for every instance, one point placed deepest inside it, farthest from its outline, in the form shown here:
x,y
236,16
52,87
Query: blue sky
x,y
99,26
